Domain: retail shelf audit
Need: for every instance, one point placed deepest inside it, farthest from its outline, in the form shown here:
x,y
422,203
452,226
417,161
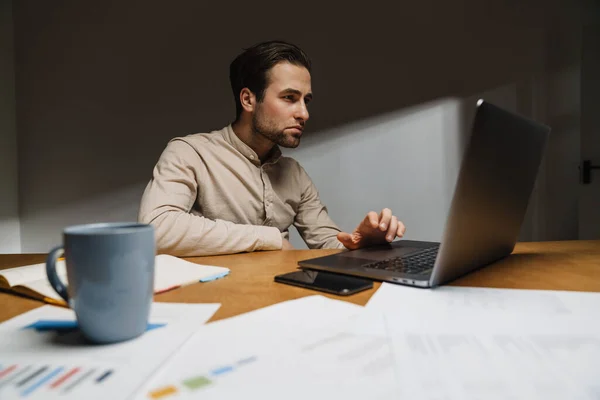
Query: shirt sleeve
x,y
167,203
312,220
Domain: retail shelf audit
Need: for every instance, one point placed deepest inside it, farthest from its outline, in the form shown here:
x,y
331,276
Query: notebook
x,y
170,273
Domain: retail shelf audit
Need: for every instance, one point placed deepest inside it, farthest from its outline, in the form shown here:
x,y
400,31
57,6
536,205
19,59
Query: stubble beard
x,y
268,130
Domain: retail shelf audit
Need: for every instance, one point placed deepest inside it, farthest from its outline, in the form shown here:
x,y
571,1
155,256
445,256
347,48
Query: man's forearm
x,y
183,234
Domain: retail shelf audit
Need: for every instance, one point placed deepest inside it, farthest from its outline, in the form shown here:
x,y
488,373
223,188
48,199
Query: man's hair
x,y
251,68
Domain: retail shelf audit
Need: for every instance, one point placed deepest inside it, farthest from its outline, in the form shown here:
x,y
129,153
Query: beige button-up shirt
x,y
210,194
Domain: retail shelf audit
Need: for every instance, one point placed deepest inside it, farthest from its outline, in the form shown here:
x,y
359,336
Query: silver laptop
x,y
495,181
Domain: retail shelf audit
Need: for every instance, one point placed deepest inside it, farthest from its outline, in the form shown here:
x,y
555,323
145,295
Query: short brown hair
x,y
250,68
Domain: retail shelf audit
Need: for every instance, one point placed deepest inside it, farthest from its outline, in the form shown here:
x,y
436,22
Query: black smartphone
x,y
342,285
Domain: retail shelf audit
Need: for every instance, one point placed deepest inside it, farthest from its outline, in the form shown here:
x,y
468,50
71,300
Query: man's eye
x,y
290,98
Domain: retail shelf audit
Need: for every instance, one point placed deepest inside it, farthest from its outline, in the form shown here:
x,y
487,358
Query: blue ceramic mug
x,y
110,270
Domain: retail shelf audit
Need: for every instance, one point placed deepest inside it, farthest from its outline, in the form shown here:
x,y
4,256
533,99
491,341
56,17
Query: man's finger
x,y
346,240
372,219
343,237
384,220
391,233
401,229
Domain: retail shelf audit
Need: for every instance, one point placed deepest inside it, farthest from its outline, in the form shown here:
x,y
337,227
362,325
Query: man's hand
x,y
286,245
374,229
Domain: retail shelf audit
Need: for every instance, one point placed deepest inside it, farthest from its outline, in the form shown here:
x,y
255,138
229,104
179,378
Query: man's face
x,y
282,114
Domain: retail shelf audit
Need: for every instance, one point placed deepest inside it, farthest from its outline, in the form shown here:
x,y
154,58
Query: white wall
x,y
10,239
102,89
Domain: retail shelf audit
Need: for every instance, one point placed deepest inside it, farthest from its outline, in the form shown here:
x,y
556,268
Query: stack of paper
x,y
446,343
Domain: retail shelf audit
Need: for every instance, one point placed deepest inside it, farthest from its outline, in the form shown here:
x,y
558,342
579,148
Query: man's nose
x,y
302,111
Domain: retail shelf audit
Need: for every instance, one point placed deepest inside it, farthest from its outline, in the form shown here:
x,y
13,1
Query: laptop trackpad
x,y
380,253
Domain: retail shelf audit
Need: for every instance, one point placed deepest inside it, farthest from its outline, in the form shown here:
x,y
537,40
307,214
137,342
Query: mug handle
x,y
55,281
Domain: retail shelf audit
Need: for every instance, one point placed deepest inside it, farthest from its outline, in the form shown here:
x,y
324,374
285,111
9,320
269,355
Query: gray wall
x,y
559,93
407,160
10,239
589,222
101,89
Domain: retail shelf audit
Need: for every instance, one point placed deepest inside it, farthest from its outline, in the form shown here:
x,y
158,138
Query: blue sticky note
x,y
154,326
45,325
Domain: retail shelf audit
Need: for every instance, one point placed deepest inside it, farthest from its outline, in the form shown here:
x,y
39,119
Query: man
x,y
232,191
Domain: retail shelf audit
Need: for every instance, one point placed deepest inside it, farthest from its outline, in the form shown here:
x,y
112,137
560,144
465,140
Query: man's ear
x,y
248,100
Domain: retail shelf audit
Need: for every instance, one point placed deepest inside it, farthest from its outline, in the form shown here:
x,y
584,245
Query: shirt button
x,y
251,157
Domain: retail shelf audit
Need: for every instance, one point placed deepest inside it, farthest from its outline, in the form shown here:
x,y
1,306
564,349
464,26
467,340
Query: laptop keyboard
x,y
415,263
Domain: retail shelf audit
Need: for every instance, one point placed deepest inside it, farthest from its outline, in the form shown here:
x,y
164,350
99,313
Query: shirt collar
x,y
231,138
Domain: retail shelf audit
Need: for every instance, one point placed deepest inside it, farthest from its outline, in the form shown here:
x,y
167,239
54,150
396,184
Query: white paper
x,y
471,343
131,362
172,271
496,355
493,343
396,299
239,342
341,361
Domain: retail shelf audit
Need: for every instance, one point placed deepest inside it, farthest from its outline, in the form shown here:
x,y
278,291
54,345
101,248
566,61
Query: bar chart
x,y
43,380
193,383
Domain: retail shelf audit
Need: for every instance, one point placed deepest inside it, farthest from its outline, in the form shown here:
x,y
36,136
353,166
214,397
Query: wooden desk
x,y
570,265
